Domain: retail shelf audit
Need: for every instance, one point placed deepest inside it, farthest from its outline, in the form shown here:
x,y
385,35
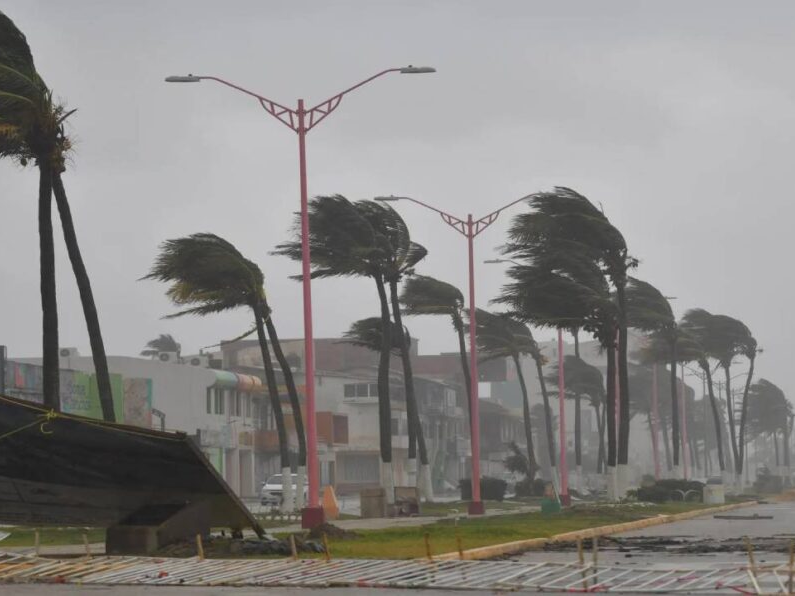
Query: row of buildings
x,y
220,400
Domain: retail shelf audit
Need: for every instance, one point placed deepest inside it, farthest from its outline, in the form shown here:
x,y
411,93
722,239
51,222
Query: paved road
x,y
53,590
692,540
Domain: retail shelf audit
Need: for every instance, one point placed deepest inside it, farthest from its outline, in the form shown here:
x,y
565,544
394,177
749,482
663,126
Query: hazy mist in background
x,y
677,117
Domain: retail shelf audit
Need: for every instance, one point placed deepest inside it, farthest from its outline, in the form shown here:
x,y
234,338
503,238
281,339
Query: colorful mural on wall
x,y
132,398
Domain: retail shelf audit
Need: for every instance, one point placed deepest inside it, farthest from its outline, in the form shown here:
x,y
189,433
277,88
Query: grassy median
x,y
409,542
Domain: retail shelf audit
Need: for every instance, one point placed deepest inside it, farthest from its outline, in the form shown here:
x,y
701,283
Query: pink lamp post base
x,y
476,508
565,500
312,517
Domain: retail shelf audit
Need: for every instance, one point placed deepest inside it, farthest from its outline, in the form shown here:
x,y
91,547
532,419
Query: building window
x,y
361,467
247,406
238,409
353,390
219,401
209,403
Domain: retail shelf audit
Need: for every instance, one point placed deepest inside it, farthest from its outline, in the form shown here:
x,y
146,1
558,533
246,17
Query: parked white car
x,y
271,490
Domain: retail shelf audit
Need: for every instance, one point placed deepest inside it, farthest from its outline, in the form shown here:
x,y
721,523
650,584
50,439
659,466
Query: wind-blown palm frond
x,y
165,342
647,308
580,379
366,333
501,336
423,295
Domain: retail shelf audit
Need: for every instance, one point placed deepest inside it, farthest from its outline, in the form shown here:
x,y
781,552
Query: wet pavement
x,y
701,540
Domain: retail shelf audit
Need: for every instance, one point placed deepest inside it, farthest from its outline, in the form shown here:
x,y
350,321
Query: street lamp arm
x,y
454,222
324,108
485,221
283,114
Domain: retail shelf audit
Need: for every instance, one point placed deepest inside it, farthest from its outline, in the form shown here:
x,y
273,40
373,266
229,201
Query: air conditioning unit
x,y
171,357
68,353
201,361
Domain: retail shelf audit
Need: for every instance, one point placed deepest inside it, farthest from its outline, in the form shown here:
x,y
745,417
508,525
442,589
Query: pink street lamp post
x,y
469,228
655,420
301,120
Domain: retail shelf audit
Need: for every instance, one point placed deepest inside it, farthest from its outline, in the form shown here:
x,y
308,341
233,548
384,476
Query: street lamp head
x,y
416,69
183,79
493,261
389,199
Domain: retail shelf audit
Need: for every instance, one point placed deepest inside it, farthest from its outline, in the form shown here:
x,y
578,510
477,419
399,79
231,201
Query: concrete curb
x,y
517,546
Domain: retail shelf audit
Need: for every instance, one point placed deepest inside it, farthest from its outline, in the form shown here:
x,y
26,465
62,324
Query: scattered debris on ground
x,y
331,531
679,545
745,517
222,546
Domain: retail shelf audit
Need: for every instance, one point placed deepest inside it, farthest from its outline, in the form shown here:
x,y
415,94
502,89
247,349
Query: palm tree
x,y
582,380
769,411
562,217
32,129
723,338
649,311
164,342
401,259
501,336
423,295
209,275
368,333
30,125
560,284
355,240
697,326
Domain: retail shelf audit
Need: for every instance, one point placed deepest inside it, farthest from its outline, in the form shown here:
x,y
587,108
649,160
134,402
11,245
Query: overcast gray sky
x,y
676,116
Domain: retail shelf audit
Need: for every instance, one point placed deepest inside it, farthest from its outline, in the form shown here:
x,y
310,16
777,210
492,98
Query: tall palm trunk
x,y
416,436
623,379
600,429
49,300
86,299
738,463
295,404
744,408
674,405
547,415
384,405
532,464
774,436
716,417
276,405
577,431
667,444
462,352
577,411
611,405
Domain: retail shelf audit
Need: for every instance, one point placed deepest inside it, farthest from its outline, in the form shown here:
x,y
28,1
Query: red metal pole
x,y
313,514
655,418
476,506
564,469
617,396
684,424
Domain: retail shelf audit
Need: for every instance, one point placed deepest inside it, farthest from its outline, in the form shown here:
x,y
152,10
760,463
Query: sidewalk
x,y
380,523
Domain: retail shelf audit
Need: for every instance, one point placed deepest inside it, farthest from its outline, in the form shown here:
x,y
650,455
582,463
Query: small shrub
x,y
530,488
767,483
492,489
663,491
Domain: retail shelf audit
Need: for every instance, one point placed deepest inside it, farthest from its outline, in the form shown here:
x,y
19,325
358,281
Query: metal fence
x,y
460,575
